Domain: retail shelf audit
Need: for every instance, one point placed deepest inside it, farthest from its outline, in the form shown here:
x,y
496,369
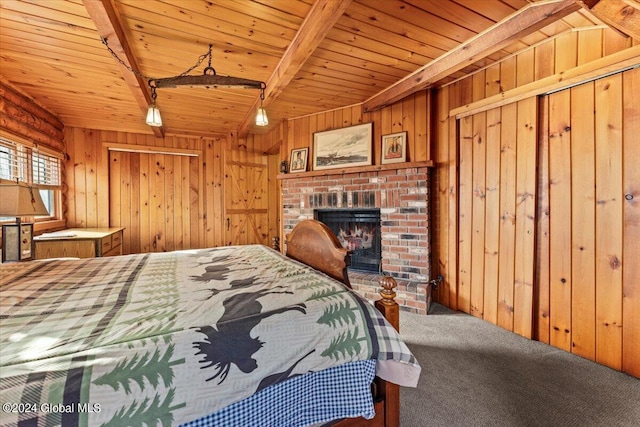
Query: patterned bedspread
x,y
165,338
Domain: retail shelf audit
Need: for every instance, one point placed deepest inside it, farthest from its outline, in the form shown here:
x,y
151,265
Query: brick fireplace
x,y
401,195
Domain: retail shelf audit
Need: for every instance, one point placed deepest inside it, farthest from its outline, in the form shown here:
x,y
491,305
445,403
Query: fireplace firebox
x,y
358,230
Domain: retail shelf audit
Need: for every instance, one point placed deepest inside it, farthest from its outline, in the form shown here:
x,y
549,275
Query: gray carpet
x,y
477,374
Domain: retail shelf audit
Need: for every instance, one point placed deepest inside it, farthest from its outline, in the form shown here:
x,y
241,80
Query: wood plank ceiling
x,y
343,53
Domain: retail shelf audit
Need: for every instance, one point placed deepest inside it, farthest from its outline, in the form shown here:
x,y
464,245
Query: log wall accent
x,y
22,116
586,283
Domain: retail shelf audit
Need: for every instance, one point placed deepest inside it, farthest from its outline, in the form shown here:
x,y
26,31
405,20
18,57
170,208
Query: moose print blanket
x,y
165,338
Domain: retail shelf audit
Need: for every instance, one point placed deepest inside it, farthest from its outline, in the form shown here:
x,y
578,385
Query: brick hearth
x,y
402,196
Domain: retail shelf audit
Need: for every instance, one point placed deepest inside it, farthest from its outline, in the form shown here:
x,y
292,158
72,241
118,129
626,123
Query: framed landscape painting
x,y
345,147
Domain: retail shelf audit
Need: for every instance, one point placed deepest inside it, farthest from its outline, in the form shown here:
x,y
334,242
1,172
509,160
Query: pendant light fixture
x,y
153,113
261,117
208,79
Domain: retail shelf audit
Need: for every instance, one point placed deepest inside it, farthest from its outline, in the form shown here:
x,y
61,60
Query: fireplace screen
x,y
359,231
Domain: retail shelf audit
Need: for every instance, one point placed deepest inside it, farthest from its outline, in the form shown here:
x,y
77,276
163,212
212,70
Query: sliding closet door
x,y
497,210
155,197
591,296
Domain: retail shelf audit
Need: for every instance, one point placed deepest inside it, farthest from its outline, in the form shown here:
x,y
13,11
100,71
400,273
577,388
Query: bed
x,y
237,335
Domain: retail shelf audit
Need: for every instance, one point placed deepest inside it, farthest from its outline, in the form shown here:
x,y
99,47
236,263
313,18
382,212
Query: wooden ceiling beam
x,y
318,22
105,17
622,15
523,22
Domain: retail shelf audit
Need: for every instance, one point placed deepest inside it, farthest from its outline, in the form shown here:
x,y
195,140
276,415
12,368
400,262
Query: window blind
x,y
28,164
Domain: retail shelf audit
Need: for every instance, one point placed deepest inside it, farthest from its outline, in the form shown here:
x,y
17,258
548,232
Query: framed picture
x,y
298,162
394,148
345,147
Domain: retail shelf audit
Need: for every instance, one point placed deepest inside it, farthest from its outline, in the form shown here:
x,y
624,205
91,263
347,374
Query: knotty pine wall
x,y
408,115
586,281
169,196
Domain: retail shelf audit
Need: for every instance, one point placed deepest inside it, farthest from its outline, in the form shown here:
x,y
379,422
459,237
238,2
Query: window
x,y
35,166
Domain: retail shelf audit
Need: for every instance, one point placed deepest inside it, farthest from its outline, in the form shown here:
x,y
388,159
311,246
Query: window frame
x,y
41,223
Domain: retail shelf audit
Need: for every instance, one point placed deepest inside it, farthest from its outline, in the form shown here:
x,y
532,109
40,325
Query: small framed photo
x,y
394,148
298,162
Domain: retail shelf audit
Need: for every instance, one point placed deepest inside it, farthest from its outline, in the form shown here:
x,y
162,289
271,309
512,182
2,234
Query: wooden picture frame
x,y
394,148
345,147
298,160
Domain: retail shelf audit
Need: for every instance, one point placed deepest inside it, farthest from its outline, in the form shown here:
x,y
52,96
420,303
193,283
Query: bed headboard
x,y
313,243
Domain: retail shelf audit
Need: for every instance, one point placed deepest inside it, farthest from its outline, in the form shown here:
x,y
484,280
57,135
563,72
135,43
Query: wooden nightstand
x,y
80,243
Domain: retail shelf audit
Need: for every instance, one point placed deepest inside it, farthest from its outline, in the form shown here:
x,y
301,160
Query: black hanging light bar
x,y
208,79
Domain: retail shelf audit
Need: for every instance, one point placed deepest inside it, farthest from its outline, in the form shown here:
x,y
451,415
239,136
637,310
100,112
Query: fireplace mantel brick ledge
x,y
402,196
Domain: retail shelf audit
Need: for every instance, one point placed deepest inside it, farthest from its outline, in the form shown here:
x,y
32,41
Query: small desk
x,y
85,243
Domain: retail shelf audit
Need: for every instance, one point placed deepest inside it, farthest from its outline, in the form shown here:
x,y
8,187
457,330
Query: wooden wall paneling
x,y
321,123
453,169
115,185
186,202
492,198
614,42
70,136
559,218
407,123
174,203
169,206
386,126
156,177
544,60
608,221
492,218
526,196
145,205
209,170
102,184
525,67
274,200
507,226
508,73
244,188
131,240
337,118
566,52
440,198
356,114
478,189
631,224
80,185
465,214
196,202
398,114
590,46
231,201
582,221
91,189
218,192
422,127
541,290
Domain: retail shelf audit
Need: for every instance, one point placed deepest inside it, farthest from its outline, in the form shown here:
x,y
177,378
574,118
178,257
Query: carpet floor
x,y
477,374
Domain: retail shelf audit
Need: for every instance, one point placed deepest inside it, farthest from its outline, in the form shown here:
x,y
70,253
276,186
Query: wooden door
x,y
246,199
155,197
590,273
497,210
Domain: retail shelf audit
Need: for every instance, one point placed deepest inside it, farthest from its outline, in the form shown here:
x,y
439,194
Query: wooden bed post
x,y
314,244
391,311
